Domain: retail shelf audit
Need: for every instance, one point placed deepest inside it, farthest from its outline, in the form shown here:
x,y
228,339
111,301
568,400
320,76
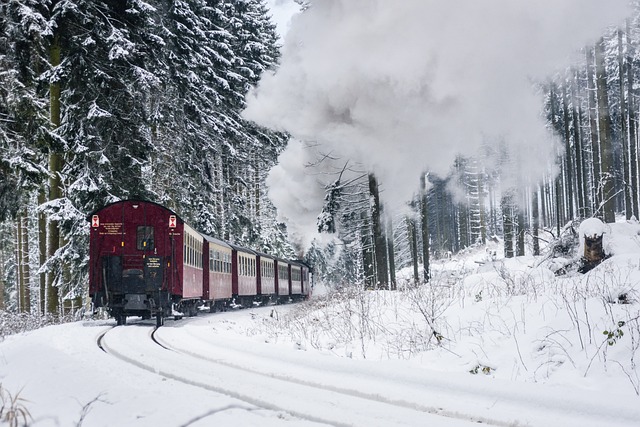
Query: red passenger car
x,y
218,277
266,278
282,286
143,261
245,280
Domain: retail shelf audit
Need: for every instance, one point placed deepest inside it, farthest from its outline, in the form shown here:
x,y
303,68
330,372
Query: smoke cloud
x,y
404,86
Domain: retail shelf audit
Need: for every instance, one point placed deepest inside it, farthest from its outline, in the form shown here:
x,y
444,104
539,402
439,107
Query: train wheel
x,y
159,320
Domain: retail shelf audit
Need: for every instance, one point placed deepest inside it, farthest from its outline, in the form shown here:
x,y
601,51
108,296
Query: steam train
x,y
144,260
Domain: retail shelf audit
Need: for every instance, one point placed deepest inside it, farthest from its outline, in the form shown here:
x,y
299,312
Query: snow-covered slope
x,y
502,342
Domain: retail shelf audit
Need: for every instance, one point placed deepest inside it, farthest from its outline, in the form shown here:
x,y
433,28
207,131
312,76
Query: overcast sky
x,y
282,11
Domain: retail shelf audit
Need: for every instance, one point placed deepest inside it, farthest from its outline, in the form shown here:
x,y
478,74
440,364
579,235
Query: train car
x,y
266,276
244,275
143,261
306,284
188,292
305,279
283,285
218,277
295,281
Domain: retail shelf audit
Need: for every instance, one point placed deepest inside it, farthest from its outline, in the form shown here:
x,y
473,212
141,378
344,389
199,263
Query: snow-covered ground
x,y
497,342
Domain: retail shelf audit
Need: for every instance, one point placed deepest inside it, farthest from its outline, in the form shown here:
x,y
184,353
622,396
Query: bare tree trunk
x,y
624,137
606,147
380,246
593,126
42,249
55,182
581,176
507,223
535,214
568,157
559,204
543,198
521,231
256,189
425,228
25,272
391,256
2,271
558,193
367,252
226,187
633,152
413,247
462,222
482,213
18,250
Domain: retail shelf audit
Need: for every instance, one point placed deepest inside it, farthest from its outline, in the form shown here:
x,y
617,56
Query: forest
x,y
108,100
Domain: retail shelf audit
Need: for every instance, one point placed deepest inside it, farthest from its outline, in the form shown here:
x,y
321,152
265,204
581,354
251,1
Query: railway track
x,y
146,348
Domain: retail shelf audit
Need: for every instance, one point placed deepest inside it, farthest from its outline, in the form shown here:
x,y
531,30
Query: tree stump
x,y
592,231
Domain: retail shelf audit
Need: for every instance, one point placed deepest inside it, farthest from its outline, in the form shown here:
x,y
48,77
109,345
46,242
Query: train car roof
x,y
242,249
266,255
216,241
133,201
299,261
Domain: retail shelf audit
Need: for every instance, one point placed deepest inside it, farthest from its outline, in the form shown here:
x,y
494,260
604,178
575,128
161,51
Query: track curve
x,y
145,347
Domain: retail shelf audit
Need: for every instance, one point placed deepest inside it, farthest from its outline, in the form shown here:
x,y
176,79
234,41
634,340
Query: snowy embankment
x,y
503,342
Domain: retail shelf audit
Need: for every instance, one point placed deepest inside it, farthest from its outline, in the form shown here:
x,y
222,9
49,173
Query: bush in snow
x,y
13,411
14,323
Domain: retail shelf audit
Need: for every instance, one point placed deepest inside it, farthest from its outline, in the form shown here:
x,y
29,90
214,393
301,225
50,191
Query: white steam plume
x,y
404,86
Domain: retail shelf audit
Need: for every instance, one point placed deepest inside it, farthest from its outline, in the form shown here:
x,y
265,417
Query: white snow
x,y
592,227
498,342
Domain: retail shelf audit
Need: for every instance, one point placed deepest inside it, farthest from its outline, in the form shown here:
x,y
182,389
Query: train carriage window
x,y
217,266
145,238
283,272
199,253
295,274
188,249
